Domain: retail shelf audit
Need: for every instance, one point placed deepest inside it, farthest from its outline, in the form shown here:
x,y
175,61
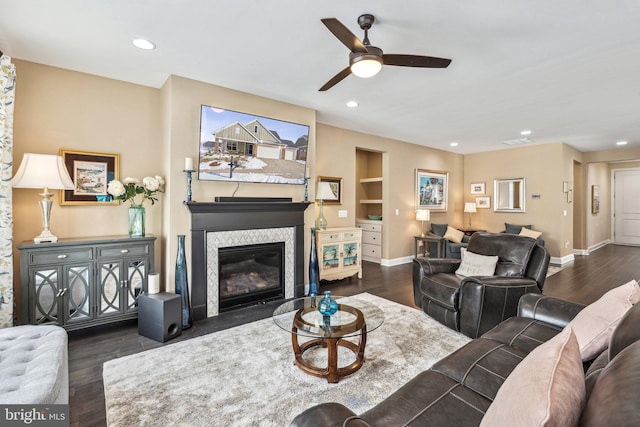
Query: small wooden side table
x,y
469,231
439,241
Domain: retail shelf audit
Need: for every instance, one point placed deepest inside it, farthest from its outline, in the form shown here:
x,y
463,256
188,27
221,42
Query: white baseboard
x,y
562,261
591,248
396,261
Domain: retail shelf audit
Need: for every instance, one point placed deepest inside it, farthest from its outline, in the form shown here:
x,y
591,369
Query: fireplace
x,y
235,223
250,274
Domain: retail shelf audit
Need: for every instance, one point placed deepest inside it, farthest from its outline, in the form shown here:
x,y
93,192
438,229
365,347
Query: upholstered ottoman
x,y
34,367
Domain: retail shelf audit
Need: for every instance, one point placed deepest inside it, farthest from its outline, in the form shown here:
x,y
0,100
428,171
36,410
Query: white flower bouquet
x,y
130,188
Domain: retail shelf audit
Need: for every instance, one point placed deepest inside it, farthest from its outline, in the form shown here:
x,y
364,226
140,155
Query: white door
x,y
627,207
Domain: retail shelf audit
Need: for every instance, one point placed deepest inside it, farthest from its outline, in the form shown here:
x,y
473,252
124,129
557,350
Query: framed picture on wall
x,y
336,186
431,190
477,188
595,199
483,202
90,173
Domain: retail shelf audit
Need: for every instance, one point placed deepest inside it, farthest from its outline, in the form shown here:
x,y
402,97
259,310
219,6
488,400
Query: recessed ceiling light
x,y
621,143
352,104
525,132
454,144
144,44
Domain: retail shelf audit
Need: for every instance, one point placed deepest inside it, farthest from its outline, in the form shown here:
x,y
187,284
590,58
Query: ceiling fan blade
x,y
336,79
415,61
343,34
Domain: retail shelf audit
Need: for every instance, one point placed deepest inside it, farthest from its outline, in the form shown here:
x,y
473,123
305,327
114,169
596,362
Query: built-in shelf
x,y
378,179
371,201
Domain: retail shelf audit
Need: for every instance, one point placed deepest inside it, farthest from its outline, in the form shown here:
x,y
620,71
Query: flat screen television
x,y
242,147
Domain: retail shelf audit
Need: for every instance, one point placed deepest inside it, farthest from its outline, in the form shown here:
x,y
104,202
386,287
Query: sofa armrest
x,y
548,309
328,415
484,302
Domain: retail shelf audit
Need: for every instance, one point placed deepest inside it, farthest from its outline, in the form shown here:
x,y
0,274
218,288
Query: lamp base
x,y
46,237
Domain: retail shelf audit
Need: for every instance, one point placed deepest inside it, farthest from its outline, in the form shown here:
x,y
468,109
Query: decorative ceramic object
x,y
182,285
136,221
314,268
327,305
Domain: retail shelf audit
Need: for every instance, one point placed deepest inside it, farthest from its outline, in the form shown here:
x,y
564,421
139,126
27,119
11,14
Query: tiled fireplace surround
x,y
237,222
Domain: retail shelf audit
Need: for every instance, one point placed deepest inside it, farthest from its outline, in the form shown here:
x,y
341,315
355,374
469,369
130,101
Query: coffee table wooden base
x,y
331,372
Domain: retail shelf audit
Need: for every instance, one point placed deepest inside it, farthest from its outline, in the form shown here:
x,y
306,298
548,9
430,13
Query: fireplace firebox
x,y
250,274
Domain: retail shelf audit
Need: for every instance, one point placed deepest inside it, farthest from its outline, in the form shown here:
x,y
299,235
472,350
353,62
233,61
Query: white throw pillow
x,y
545,389
477,265
594,325
530,233
453,235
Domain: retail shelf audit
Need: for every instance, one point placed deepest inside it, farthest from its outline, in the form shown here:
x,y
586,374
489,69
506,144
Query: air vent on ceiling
x,y
518,141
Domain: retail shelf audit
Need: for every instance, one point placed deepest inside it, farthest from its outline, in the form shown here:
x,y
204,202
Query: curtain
x,y
7,94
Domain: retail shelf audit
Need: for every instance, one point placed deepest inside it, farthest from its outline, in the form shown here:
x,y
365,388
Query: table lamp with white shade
x,y
323,192
423,215
470,208
43,171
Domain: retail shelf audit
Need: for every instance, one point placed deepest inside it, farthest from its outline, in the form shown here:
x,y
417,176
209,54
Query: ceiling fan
x,y
366,60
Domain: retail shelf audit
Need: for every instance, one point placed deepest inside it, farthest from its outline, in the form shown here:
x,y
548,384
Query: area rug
x,y
553,269
245,376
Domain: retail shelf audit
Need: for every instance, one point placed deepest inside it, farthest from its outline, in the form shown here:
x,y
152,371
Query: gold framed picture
x,y
90,173
336,186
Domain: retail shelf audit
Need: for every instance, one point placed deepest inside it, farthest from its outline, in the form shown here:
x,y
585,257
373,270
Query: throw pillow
x,y
594,325
552,379
477,265
514,228
439,229
454,235
530,233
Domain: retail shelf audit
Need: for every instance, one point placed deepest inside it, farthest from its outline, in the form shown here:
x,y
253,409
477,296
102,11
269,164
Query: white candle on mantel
x,y
188,163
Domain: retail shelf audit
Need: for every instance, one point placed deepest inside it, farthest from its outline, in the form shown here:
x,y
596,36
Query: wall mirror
x,y
509,195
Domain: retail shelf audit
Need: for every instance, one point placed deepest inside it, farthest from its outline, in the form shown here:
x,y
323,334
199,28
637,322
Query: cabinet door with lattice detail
x,y
78,293
110,287
47,287
136,279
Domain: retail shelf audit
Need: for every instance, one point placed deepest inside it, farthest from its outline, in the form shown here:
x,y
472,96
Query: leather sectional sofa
x,y
458,390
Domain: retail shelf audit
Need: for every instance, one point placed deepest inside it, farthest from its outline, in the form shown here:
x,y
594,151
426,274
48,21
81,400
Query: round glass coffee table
x,y
354,318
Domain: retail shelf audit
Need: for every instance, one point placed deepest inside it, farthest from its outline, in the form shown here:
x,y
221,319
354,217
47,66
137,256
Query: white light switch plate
x,y
342,213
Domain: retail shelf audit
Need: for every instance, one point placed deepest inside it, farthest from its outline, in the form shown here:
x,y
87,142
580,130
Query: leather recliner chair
x,y
474,305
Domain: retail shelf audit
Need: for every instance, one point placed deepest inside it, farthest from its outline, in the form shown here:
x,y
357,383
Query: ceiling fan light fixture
x,y
365,66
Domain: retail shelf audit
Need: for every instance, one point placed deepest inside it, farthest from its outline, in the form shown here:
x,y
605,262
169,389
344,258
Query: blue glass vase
x,y
327,305
314,268
182,285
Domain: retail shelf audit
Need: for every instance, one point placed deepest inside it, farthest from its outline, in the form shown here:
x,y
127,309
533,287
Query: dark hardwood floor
x,y
583,281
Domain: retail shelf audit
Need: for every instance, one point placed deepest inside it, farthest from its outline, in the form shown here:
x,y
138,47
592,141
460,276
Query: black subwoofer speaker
x,y
159,316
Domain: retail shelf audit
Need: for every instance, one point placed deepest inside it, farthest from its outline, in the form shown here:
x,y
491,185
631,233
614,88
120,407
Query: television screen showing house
x,y
236,146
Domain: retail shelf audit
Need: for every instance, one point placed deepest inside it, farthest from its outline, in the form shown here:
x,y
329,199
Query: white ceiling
x,y
569,70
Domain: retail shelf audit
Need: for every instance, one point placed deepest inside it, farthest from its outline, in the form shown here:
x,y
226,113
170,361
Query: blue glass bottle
x,y
182,285
327,305
314,268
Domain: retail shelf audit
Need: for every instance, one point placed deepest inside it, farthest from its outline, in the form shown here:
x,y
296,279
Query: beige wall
x,y
185,97
545,167
56,109
599,225
336,156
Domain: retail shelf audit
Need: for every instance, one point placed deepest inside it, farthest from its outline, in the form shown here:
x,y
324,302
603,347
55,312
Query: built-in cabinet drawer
x,y
371,239
371,251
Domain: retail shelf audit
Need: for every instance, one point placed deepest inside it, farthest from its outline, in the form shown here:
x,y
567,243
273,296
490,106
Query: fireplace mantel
x,y
244,214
